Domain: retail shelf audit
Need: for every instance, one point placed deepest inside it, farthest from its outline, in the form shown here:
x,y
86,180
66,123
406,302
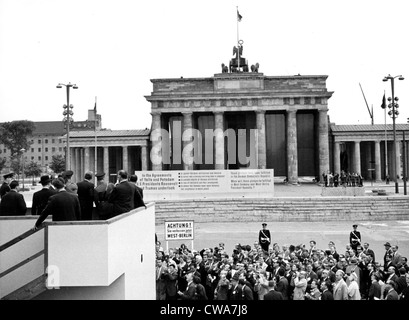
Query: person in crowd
x,y
261,286
63,206
161,270
170,276
40,198
12,203
273,294
101,195
134,179
390,275
390,291
405,293
235,290
401,281
353,288
190,292
340,289
264,237
85,191
124,197
314,293
369,251
300,286
325,289
396,256
388,253
282,284
5,186
70,186
200,293
247,292
222,289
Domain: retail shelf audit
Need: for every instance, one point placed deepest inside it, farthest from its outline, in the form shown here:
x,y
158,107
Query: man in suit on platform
x,y
86,196
40,198
70,186
5,186
264,238
396,256
63,206
13,203
124,197
134,179
368,251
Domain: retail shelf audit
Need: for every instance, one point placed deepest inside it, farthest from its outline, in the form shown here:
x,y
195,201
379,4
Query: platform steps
x,y
285,209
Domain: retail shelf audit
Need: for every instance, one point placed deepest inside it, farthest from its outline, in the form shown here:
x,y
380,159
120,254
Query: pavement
x,y
376,233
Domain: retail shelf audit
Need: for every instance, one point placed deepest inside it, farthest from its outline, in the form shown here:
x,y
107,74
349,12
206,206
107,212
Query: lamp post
x,y
68,113
393,105
22,161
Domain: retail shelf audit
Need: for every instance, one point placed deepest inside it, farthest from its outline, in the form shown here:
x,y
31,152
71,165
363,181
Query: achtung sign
x,y
179,230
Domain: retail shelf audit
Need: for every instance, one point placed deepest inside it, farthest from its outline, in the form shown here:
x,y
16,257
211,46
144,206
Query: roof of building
x,y
110,133
368,127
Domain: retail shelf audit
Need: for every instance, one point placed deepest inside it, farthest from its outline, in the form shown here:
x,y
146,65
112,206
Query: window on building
x,y
59,140
307,100
46,158
296,100
39,158
46,141
32,158
46,149
39,149
32,149
53,149
39,141
317,100
53,140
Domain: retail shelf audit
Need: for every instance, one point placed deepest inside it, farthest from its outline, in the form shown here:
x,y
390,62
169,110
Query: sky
x,y
112,49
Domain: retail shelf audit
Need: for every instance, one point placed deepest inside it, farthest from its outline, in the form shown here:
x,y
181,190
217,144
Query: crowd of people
x,y
343,179
69,201
282,272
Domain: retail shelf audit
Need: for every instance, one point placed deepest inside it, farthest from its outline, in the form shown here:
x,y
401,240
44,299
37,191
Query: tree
x,y
57,163
14,135
33,169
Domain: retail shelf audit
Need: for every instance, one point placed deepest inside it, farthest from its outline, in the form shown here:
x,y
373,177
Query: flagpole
x,y
386,148
238,39
95,132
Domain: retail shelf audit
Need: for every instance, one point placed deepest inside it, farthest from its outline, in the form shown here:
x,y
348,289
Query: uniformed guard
x,y
264,238
5,187
70,186
355,238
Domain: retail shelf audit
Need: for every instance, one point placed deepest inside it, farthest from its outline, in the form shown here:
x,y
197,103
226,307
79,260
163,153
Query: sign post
x,y
179,230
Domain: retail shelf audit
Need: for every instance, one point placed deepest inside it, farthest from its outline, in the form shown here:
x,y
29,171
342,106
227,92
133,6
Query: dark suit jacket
x,y
63,206
375,291
140,190
282,286
86,196
137,196
40,200
4,189
189,293
247,293
13,204
273,295
235,293
327,295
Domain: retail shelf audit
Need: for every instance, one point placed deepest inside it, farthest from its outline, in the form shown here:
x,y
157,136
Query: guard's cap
x,y
264,224
100,174
387,244
68,173
355,226
8,175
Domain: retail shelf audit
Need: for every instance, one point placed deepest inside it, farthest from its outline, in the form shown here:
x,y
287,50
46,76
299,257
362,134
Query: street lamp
x,y
22,160
68,113
393,105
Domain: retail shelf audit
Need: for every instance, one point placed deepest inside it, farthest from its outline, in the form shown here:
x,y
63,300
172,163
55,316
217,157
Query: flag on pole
x,y
383,106
95,108
238,16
